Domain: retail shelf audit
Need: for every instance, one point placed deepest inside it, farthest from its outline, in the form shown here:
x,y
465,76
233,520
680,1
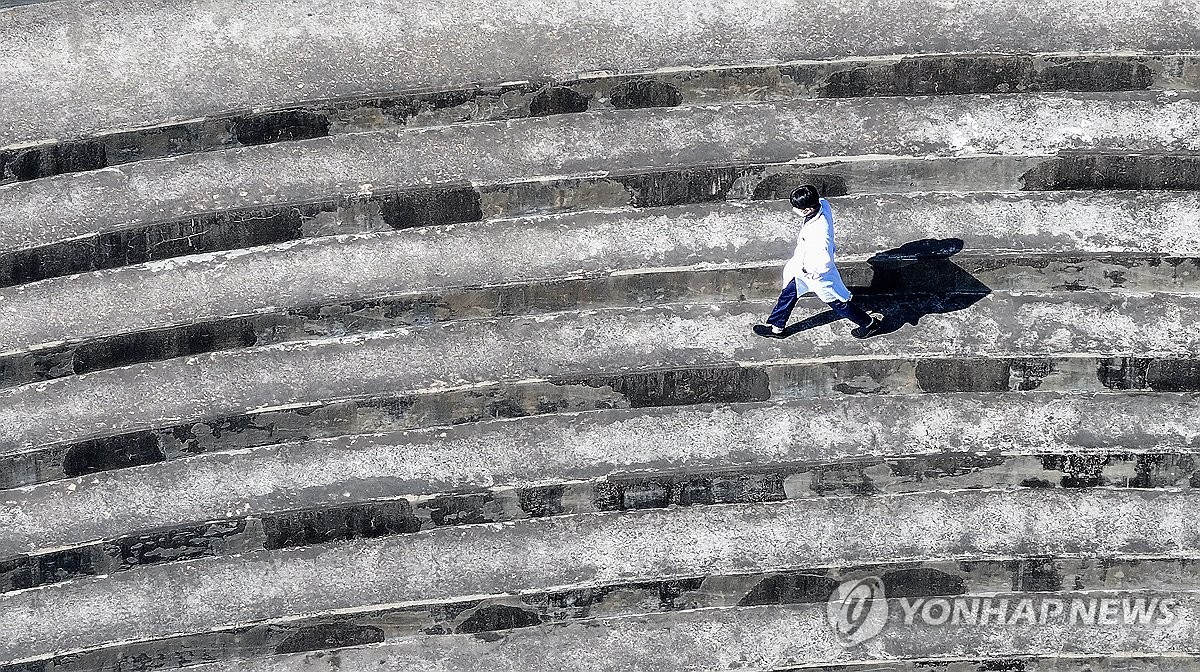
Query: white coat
x,y
811,265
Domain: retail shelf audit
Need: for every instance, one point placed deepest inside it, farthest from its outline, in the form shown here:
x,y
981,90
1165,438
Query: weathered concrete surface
x,y
475,352
69,206
610,445
340,518
333,270
484,617
729,384
771,639
1156,662
842,78
437,205
892,272
185,60
580,551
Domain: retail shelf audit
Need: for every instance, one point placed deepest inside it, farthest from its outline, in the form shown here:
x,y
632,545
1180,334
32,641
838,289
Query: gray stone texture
x,y
196,58
769,639
597,143
1032,428
941,74
580,551
326,270
488,617
474,352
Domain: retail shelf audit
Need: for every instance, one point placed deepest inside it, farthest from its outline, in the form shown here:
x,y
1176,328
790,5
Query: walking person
x,y
811,269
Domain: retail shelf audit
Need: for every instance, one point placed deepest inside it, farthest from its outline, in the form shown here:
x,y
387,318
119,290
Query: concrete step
x,y
1159,662
383,413
461,355
935,74
205,56
387,210
312,274
373,485
135,195
564,552
491,617
773,639
889,273
1164,662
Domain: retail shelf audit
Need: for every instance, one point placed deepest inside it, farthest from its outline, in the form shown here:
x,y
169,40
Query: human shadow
x,y
905,284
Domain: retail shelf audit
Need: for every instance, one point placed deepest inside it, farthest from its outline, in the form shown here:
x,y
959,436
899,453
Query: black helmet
x,y
805,196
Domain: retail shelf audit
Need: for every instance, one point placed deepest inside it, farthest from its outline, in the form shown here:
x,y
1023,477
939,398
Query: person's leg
x,y
850,311
784,306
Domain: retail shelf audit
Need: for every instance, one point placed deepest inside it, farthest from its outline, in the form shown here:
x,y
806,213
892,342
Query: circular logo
x,y
857,610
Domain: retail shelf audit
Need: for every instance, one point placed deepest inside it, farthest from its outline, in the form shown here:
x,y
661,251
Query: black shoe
x,y
871,329
769,331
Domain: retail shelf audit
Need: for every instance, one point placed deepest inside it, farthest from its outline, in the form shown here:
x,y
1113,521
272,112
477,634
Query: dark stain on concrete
x,y
676,387
961,75
1173,375
48,160
462,510
656,492
1037,574
946,465
542,501
790,588
780,185
933,75
1113,74
969,375
1162,470
1123,373
282,126
671,593
31,666
116,452
498,617
357,521
557,100
198,235
984,73
181,543
921,581
1114,171
1001,665
645,93
1029,373
1079,470
431,207
329,636
678,187
23,572
149,346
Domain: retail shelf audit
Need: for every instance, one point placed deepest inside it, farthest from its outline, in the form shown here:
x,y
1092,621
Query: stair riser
x,y
637,390
489,615
912,76
236,229
967,274
865,477
578,551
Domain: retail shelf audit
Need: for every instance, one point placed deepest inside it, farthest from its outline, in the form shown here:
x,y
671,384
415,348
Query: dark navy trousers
x,y
787,301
